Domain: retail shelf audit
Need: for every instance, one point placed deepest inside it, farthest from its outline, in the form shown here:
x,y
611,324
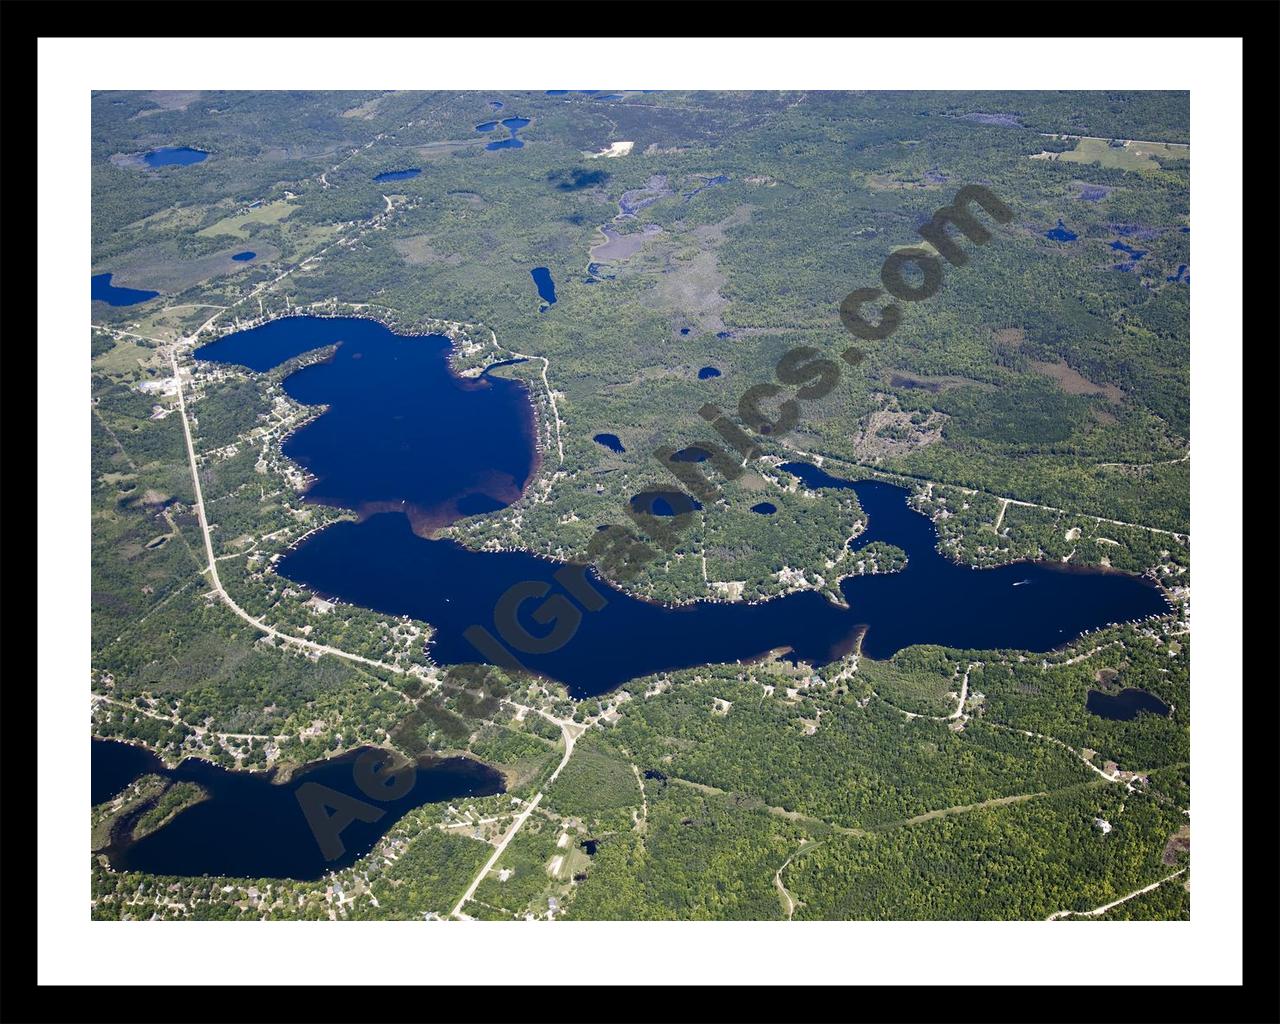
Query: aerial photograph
x,y
639,505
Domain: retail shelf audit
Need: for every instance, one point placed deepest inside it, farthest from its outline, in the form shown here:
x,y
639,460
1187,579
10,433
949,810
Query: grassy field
x,y
238,224
1132,156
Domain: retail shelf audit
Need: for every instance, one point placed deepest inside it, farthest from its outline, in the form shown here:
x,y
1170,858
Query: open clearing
x,y
1074,383
418,251
237,224
1131,156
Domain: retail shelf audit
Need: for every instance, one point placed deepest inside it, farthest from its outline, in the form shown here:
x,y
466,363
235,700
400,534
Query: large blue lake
x,y
253,827
403,434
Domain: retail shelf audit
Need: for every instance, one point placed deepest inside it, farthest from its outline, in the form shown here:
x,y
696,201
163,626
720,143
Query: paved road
x,y
212,567
571,732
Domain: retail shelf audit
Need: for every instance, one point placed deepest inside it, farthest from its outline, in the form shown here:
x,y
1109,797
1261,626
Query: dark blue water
x,y
546,287
664,503
174,156
707,372
765,508
244,257
408,172
1181,275
1060,233
610,441
513,125
114,765
381,564
1134,254
488,126
557,92
103,290
251,827
1125,705
691,454
496,104
384,388
685,330
402,431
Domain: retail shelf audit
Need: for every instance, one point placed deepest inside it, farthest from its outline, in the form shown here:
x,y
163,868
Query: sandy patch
x,y
612,150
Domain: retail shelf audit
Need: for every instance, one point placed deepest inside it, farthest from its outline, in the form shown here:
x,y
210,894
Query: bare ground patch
x,y
365,111
620,247
891,432
690,286
166,100
447,147
714,234
471,200
934,385
1179,842
1074,383
887,183
417,250
157,269
1009,337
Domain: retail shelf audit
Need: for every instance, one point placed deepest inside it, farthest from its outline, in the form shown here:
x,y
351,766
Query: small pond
x,y
1125,705
1061,233
174,156
408,172
102,290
